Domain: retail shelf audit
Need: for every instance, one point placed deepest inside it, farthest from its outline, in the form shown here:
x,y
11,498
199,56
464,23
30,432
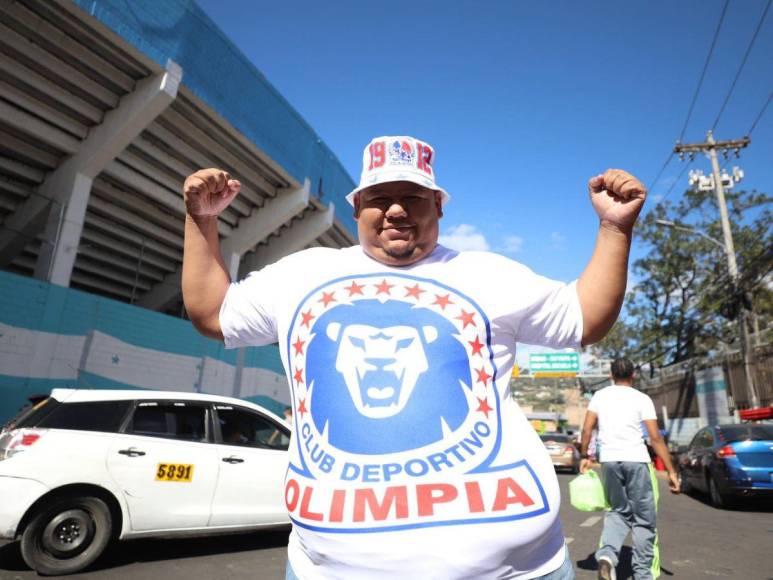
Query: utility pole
x,y
710,146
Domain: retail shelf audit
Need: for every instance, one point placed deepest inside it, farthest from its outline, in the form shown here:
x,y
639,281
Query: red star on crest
x,y
307,317
483,376
298,375
414,291
476,346
384,287
302,408
466,318
354,289
327,298
442,301
298,344
483,406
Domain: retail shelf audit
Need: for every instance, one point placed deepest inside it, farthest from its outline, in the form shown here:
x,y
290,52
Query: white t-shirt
x,y
621,410
408,458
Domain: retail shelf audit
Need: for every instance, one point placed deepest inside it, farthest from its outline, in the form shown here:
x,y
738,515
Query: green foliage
x,y
684,302
620,341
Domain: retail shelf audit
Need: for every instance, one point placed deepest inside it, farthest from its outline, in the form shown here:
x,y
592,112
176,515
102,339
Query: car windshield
x,y
556,438
733,433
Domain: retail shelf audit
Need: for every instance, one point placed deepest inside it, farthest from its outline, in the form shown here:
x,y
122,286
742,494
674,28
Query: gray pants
x,y
629,490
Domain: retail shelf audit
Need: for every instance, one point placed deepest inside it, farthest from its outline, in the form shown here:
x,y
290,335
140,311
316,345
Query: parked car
x,y
562,451
85,467
729,462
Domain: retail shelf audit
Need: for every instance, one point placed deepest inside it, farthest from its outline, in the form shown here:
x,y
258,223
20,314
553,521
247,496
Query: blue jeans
x,y
564,572
630,490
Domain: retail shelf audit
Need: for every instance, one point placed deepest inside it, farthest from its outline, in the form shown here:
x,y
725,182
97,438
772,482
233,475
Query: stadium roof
x,y
105,107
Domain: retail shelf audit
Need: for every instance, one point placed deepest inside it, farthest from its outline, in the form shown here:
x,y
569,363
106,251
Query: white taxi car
x,y
85,467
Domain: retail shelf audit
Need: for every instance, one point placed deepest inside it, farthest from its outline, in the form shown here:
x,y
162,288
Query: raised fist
x,y
618,197
208,192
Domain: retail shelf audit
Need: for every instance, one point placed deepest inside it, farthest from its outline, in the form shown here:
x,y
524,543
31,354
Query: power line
x,y
673,184
762,111
705,68
690,110
743,63
754,124
662,169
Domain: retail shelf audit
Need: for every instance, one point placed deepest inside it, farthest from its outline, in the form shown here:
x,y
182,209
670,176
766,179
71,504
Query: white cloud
x,y
464,237
557,240
512,244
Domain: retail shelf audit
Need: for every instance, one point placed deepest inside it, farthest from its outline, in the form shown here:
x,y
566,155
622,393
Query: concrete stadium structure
x,y
105,107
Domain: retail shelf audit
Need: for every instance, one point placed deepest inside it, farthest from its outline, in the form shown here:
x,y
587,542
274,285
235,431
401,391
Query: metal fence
x,y
674,386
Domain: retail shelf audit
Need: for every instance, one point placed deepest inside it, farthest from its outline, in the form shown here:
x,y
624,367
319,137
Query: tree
x,y
684,302
620,341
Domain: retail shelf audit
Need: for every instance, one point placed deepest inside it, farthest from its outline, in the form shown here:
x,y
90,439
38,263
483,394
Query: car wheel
x,y
67,535
718,500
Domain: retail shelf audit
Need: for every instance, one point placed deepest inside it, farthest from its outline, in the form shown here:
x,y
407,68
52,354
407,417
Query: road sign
x,y
555,362
554,374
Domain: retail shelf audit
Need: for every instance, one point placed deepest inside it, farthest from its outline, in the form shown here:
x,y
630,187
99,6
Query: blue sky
x,y
523,101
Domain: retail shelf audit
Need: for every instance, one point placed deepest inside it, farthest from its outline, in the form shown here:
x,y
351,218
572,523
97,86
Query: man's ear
x,y
439,203
356,205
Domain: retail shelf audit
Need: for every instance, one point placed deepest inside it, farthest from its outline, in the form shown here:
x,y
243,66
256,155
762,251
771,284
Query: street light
x,y
676,226
733,270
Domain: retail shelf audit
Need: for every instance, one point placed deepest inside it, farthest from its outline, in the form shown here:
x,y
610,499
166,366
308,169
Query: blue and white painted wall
x,y
52,336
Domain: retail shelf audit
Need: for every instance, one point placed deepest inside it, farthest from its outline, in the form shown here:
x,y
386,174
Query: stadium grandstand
x,y
105,107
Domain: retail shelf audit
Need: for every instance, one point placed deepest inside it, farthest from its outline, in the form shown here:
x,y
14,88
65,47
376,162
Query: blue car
x,y
729,463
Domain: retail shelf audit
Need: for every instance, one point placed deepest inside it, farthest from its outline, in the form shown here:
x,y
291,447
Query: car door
x,y
252,450
707,459
699,458
691,464
166,465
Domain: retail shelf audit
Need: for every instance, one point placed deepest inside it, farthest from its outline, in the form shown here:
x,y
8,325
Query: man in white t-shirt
x,y
629,480
408,458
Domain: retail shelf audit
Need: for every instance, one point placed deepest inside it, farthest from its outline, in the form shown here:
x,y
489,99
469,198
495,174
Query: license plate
x,y
182,472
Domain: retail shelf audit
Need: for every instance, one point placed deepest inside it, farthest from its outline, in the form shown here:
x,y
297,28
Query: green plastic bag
x,y
586,492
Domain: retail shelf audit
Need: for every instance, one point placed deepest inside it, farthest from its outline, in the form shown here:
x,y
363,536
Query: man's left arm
x,y
617,197
661,450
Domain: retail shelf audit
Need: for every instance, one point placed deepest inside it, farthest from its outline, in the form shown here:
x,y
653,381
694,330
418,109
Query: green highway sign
x,y
555,362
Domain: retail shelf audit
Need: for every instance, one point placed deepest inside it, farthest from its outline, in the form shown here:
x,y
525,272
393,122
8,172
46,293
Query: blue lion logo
x,y
386,377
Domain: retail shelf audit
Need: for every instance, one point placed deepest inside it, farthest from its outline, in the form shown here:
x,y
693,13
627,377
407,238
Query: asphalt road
x,y
697,542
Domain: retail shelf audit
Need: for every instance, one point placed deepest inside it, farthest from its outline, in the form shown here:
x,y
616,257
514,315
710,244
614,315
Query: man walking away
x,y
629,479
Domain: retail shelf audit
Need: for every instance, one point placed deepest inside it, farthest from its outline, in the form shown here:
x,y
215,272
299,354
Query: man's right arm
x,y
587,430
205,278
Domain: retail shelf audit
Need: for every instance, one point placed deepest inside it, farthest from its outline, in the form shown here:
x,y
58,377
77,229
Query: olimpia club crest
x,y
397,411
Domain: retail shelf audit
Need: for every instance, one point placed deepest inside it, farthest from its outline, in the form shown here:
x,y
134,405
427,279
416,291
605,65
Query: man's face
x,y
397,222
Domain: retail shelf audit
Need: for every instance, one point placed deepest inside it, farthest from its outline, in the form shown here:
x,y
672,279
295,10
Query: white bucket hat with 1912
x,y
399,158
